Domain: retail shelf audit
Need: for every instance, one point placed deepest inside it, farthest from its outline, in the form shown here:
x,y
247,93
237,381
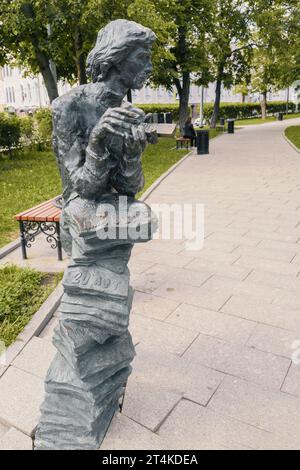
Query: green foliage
x,y
10,131
43,121
293,134
161,108
27,130
22,291
246,110
276,59
259,120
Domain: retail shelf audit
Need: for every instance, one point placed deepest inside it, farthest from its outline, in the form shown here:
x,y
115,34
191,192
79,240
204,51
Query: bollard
x,y
230,126
202,142
280,116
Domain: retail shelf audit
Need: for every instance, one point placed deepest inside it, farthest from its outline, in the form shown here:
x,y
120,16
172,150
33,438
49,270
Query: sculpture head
x,y
126,47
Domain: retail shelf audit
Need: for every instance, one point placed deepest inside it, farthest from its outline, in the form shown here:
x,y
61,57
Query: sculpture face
x,y
136,68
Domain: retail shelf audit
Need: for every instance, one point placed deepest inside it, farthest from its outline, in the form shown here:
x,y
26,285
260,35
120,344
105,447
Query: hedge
x,y
227,110
246,110
160,108
17,131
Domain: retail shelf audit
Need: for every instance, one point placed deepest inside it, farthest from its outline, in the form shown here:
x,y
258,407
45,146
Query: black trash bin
x,y
202,142
280,116
161,118
230,126
169,118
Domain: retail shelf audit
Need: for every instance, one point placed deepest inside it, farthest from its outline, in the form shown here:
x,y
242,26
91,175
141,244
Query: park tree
x,y
180,51
24,39
37,35
229,46
276,57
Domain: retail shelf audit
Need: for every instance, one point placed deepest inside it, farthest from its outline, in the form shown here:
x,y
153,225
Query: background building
x,y
27,93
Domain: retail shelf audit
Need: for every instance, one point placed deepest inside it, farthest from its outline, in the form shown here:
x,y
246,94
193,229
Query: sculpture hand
x,y
115,121
135,142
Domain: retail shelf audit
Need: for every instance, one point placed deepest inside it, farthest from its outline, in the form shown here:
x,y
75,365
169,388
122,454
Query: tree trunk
x,y
287,100
216,110
184,93
80,58
44,66
263,105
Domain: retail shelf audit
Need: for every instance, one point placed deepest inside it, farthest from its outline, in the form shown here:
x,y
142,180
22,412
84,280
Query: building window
x,y
29,91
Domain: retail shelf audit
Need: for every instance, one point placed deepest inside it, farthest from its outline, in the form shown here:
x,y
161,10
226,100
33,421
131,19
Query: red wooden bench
x,y
43,218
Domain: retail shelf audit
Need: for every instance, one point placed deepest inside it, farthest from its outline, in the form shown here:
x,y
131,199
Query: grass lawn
x,y
31,177
293,134
252,121
22,292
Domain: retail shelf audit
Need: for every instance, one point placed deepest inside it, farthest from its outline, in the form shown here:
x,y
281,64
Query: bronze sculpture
x,y
98,141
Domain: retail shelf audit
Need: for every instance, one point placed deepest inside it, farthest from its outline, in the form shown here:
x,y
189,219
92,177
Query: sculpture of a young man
x,y
98,140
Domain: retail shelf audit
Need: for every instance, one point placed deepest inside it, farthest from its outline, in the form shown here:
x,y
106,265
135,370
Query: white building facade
x,y
25,93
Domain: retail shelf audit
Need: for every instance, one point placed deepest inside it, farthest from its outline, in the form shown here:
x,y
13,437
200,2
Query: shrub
x,y
10,131
43,121
27,130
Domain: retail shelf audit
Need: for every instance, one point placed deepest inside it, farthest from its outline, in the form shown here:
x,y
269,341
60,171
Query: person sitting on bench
x,y
189,131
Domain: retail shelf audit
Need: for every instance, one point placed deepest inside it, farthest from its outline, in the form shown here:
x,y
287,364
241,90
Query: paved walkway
x,y
215,329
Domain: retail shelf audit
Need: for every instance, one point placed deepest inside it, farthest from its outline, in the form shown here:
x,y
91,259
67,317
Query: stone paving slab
x,y
208,322
198,296
247,363
148,404
153,277
192,427
166,336
262,312
291,384
15,440
274,340
3,429
176,374
271,411
35,357
126,434
275,280
152,306
20,398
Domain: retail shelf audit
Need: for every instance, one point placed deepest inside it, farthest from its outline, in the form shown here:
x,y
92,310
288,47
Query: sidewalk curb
x,y
6,249
291,143
33,327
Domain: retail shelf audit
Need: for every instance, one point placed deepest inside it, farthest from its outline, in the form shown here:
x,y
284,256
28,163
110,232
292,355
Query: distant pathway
x,y
215,329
